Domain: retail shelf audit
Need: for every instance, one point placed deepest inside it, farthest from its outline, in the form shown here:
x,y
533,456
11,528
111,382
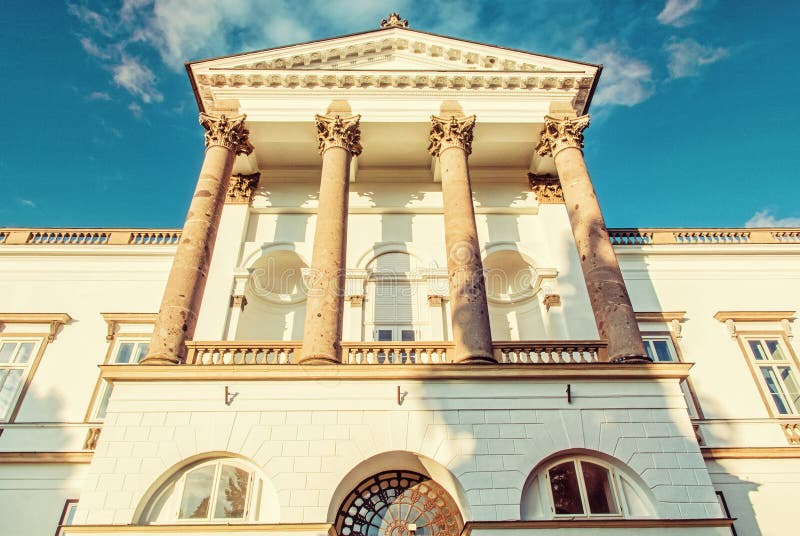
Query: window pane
x,y
25,352
384,334
141,351
598,489
124,353
775,349
102,405
9,383
70,517
407,335
197,493
231,493
792,389
759,352
564,486
775,390
662,350
6,351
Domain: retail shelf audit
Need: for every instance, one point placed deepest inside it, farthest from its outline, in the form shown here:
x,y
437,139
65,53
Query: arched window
x,y
216,491
395,503
580,487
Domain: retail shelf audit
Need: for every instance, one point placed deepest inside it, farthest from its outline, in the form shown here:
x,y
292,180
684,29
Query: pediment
x,y
394,49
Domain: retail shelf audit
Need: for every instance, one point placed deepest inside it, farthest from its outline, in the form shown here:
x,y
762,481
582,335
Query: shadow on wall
x,y
33,495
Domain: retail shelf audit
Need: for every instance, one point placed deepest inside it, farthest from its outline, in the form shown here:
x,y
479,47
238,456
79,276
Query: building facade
x,y
395,309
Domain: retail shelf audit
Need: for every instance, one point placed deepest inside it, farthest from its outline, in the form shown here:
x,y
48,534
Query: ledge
x,y
194,528
46,457
504,372
595,523
749,453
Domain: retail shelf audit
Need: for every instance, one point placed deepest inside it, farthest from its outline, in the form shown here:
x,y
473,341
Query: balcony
x,y
211,353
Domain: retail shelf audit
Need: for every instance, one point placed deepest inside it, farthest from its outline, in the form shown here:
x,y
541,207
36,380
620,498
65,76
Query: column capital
x,y
338,131
241,188
452,132
228,132
560,134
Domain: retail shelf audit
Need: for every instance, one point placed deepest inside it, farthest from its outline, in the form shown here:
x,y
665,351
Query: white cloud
x,y
675,12
92,49
625,80
26,202
137,78
135,109
765,218
687,56
98,96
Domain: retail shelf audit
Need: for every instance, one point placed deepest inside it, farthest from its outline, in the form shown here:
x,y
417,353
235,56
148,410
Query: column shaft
x,y
451,141
325,304
177,317
608,294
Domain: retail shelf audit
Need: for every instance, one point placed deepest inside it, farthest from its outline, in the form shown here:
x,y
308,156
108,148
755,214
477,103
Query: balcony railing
x,y
90,237
210,353
644,237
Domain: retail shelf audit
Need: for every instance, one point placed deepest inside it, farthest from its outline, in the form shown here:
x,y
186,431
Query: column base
x,y
632,359
477,359
319,359
161,359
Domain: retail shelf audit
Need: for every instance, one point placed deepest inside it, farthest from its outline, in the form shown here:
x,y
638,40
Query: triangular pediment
x,y
394,49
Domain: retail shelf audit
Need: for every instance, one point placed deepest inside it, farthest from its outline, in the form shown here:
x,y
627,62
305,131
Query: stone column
x,y
226,137
451,142
563,139
339,141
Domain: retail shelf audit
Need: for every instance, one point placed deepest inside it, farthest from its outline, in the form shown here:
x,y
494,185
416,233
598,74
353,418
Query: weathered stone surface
x,y
616,321
177,317
451,142
338,142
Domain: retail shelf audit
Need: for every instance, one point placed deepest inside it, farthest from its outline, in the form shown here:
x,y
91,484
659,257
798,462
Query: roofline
x,y
591,90
189,64
192,62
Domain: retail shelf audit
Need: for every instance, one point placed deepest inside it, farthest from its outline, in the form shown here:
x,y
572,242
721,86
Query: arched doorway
x,y
399,503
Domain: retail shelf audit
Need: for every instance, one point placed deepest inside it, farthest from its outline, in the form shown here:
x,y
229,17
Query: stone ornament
x,y
560,134
338,131
228,132
238,301
241,188
394,21
547,189
453,132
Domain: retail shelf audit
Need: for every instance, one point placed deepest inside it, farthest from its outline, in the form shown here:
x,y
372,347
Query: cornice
x,y
504,372
754,316
754,453
114,319
660,316
46,457
55,320
568,524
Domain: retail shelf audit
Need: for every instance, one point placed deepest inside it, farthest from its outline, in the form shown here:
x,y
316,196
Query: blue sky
x,y
695,121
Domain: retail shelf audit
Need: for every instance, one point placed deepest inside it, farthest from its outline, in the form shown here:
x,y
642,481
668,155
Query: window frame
x,y
172,493
743,339
616,485
69,504
102,386
694,409
40,341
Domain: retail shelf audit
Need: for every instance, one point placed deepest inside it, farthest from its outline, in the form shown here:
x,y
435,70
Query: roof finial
x,y
394,21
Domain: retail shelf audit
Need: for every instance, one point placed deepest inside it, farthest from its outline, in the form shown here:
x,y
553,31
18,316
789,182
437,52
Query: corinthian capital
x,y
241,188
228,132
453,132
562,134
338,131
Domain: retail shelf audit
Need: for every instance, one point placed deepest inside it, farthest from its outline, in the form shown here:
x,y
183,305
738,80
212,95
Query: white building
x,y
339,366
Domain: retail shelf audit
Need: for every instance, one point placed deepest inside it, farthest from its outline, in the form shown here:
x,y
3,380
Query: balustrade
x,y
90,237
205,353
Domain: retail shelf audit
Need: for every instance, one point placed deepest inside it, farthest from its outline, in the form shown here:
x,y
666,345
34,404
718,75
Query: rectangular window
x,y
126,352
776,372
723,504
67,515
16,357
661,349
395,333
